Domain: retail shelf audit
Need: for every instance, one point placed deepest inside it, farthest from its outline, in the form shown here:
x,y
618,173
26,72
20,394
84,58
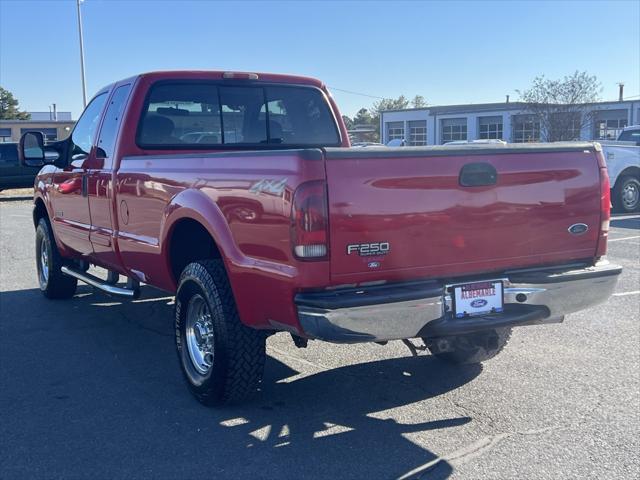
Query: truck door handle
x,y
477,175
85,185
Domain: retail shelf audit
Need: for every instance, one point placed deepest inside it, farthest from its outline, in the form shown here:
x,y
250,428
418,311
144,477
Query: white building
x,y
53,125
506,121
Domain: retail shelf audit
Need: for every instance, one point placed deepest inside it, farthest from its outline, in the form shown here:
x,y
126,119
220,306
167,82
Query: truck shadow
x,y
110,367
333,423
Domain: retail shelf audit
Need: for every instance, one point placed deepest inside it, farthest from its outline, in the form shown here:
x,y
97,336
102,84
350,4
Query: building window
x,y
610,129
575,127
526,128
418,132
609,124
5,134
395,130
564,126
453,129
490,127
50,134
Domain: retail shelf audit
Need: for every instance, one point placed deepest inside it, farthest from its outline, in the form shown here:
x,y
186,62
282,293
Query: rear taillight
x,y
309,221
605,212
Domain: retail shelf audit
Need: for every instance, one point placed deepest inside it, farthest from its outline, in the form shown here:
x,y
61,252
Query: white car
x,y
487,141
366,144
200,137
623,163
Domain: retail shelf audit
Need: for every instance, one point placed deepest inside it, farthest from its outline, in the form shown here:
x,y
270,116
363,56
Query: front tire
x,y
53,283
469,348
626,194
222,360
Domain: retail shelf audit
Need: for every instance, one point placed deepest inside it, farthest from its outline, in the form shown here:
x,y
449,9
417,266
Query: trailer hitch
x,y
415,349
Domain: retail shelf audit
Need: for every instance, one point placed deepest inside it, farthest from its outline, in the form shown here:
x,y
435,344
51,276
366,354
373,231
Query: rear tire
x,y
221,359
53,283
469,348
626,195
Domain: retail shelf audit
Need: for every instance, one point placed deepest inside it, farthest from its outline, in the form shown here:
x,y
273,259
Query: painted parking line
x,y
623,238
625,216
624,294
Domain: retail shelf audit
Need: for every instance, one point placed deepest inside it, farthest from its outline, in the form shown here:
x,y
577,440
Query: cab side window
x,y
630,136
112,118
85,129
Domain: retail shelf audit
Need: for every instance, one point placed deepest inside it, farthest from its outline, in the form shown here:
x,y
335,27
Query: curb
x,y
15,198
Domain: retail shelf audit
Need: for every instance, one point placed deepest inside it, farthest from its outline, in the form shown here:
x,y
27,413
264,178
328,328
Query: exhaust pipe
x,y
131,293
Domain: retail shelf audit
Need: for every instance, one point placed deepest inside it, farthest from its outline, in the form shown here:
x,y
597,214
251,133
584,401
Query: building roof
x,y
46,116
489,107
362,128
38,122
477,107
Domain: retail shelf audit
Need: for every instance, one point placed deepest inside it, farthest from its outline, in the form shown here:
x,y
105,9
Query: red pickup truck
x,y
239,193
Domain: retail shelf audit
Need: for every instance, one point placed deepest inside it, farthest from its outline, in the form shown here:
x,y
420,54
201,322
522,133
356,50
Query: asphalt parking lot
x,y
91,388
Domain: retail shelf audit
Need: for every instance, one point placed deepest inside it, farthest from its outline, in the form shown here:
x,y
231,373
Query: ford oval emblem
x,y
478,303
373,264
578,228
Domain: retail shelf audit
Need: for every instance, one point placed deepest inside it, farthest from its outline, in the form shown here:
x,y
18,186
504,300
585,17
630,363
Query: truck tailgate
x,y
399,213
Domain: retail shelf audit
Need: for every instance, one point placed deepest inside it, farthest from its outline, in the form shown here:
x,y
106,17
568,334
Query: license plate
x,y
477,299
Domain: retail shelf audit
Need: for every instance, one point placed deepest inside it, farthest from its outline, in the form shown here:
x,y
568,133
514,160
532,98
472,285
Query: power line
x,y
356,93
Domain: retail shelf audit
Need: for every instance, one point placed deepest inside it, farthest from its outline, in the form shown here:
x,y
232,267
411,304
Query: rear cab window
x,y
630,136
188,115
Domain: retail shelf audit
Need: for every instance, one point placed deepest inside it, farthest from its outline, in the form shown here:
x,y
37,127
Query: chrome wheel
x,y
630,195
44,263
199,333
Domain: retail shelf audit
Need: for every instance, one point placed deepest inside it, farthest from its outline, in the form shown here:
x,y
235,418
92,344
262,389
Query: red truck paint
x,y
456,230
435,227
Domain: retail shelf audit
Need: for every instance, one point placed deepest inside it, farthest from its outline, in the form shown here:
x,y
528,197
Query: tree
x,y
363,117
418,102
347,122
561,106
9,107
399,103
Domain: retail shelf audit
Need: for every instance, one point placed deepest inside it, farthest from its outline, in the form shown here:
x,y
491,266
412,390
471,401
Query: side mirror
x,y
32,150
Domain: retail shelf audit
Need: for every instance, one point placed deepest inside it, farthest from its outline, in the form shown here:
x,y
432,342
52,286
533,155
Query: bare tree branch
x,y
561,106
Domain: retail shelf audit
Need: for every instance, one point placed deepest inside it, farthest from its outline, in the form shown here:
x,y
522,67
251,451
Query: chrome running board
x,y
100,284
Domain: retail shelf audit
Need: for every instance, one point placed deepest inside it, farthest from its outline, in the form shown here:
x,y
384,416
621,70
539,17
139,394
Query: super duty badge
x,y
368,249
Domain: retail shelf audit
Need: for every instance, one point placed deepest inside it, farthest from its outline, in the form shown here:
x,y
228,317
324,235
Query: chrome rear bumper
x,y
423,309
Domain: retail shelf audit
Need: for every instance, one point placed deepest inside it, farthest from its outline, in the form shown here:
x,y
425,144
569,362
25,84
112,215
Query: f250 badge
x,y
369,249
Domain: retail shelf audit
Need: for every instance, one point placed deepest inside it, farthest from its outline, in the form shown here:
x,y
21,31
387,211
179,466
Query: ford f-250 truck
x,y
239,193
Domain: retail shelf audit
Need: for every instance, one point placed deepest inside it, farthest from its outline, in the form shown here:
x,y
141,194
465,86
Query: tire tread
x,y
244,347
59,286
616,198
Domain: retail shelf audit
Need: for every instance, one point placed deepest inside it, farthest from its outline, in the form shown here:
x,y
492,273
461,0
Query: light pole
x,y
84,87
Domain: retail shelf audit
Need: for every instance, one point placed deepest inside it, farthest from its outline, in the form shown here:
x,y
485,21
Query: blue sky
x,y
449,52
